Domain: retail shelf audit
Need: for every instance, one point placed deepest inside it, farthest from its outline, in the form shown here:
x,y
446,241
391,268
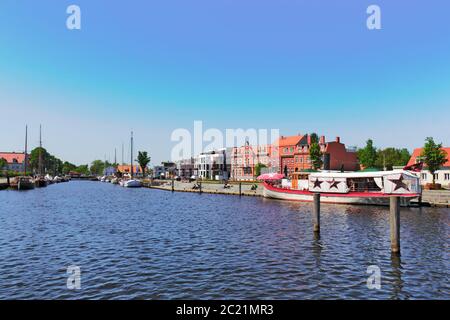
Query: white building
x,y
441,176
214,165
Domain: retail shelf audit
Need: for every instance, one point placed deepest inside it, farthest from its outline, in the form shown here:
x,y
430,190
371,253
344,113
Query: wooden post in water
x,y
173,184
316,205
7,179
394,220
200,185
240,188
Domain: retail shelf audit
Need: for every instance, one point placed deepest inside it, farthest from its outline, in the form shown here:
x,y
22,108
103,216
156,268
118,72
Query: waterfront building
x,y
186,168
214,165
442,176
294,154
245,159
126,169
15,161
167,169
110,171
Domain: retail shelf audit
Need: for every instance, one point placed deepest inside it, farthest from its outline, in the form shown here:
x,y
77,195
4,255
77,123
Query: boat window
x,y
362,185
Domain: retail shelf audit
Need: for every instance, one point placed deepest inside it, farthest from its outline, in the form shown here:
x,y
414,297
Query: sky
x,y
155,66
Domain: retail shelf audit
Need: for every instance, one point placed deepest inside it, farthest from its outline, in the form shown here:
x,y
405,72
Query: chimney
x,y
322,140
338,140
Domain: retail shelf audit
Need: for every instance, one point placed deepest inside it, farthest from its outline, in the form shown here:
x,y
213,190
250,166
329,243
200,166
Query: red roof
x,y
11,156
418,151
289,141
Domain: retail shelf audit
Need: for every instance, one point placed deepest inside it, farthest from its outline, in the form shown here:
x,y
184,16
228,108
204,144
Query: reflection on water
x,y
151,244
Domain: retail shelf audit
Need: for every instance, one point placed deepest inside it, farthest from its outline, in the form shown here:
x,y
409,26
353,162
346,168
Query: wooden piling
x,y
394,219
7,179
240,188
316,204
200,186
173,185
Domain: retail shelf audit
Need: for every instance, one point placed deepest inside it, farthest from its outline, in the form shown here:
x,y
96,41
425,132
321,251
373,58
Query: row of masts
x,y
41,164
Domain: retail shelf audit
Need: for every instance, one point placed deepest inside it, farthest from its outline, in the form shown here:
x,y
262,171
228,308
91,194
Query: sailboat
x,y
40,180
132,183
23,182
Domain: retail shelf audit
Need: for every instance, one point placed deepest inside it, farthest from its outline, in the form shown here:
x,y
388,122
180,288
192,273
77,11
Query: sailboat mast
x,y
115,156
26,147
131,154
40,151
122,155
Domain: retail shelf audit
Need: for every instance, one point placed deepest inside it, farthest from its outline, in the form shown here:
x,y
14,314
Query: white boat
x,y
347,187
57,179
132,183
115,180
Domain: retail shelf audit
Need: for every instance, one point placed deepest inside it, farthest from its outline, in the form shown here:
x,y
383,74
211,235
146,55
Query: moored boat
x,y
22,183
132,183
373,188
40,182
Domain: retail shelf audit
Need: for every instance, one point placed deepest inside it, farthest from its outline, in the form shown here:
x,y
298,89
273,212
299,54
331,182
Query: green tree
x,y
143,159
97,167
258,168
68,167
34,159
433,156
3,163
390,157
368,155
314,152
82,169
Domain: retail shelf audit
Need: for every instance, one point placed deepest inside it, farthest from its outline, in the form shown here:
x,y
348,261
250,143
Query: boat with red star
x,y
373,188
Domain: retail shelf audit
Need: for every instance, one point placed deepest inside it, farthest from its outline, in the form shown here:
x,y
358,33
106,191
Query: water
x,y
152,244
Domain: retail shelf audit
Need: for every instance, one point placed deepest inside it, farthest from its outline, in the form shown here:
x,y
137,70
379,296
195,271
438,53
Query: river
x,y
153,244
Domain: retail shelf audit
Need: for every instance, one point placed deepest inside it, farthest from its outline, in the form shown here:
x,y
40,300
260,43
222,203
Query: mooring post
x,y
173,184
316,198
394,219
200,185
240,188
7,179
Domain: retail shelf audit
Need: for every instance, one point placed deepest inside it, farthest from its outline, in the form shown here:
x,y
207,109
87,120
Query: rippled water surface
x,y
152,244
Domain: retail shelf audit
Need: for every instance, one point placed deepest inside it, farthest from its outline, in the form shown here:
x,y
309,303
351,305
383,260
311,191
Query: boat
x,y
132,183
57,179
115,180
49,179
373,188
40,182
22,183
128,181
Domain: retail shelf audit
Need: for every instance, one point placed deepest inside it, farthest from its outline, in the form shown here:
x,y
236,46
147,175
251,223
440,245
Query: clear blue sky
x,y
154,66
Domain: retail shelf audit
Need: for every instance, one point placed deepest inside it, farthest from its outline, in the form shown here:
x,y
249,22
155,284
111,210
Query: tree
x,y
314,152
97,167
258,168
82,169
3,163
143,159
68,167
368,155
433,156
390,157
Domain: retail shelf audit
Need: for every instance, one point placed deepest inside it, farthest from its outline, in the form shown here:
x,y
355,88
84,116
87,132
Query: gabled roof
x,y
127,168
10,156
289,141
416,153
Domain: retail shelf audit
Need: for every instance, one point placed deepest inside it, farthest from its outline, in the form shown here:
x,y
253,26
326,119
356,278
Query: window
x,y
292,149
424,176
446,176
436,176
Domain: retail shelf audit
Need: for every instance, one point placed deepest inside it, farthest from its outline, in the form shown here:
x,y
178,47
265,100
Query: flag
x,y
415,167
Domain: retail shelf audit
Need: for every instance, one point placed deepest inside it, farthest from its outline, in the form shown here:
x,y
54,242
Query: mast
x,y
26,146
122,155
40,151
115,156
131,169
